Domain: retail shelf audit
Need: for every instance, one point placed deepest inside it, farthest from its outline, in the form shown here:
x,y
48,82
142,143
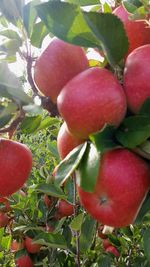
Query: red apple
x,y
137,31
122,184
6,206
113,250
57,65
4,219
49,228
15,166
106,243
31,248
17,245
47,201
137,77
90,100
66,141
64,209
24,261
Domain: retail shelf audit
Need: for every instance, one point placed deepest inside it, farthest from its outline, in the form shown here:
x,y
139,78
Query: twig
x,y
45,101
77,234
13,126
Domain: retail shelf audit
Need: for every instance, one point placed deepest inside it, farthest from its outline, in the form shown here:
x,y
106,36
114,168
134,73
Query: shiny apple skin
x,y
57,65
137,31
66,142
137,77
15,166
122,184
90,100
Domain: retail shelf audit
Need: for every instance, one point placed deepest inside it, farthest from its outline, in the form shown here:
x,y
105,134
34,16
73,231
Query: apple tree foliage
x,y
30,118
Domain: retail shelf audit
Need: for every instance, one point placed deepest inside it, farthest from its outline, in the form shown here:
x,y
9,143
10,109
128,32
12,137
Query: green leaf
x,y
87,233
38,34
76,223
52,146
105,139
145,109
70,163
9,109
84,2
10,46
66,21
51,240
10,86
30,15
6,113
5,120
30,124
143,210
11,34
47,122
88,168
105,261
52,190
134,131
146,239
12,10
110,31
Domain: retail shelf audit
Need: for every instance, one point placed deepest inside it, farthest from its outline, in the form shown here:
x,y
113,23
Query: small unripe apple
x,y
113,250
4,219
64,209
66,141
15,166
47,201
90,100
24,261
57,65
122,184
106,243
16,245
31,248
138,31
137,77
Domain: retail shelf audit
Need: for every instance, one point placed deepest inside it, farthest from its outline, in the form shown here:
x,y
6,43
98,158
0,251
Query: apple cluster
x,y
90,98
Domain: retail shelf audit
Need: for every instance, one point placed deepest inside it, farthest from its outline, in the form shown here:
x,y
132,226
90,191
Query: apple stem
x,y
77,233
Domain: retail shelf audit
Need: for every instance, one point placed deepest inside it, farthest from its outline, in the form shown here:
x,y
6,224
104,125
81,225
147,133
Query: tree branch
x,y
13,126
45,101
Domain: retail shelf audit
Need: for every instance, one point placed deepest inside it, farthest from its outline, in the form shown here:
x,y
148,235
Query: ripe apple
x,y
106,243
90,100
24,261
137,31
122,184
4,219
47,201
64,209
15,166
137,77
16,245
113,250
6,206
49,228
57,65
66,141
31,248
